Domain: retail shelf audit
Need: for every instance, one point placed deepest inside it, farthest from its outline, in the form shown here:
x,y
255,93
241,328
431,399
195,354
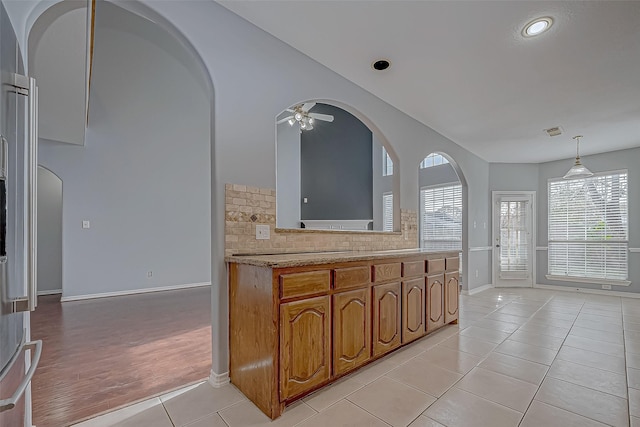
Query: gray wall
x,y
534,177
437,175
143,176
251,68
381,184
252,73
49,231
57,59
616,160
335,168
288,197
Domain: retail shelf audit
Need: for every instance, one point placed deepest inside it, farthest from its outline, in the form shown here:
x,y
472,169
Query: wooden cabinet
x,y
297,324
351,329
386,317
305,346
435,301
413,309
451,296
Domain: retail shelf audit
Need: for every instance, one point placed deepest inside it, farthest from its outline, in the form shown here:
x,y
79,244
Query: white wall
x,y
143,176
49,231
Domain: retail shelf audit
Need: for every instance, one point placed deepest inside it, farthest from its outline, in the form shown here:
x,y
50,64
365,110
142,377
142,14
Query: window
x,y
387,212
588,227
387,163
441,217
433,159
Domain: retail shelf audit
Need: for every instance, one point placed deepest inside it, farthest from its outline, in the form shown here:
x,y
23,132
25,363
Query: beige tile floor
x,y
519,357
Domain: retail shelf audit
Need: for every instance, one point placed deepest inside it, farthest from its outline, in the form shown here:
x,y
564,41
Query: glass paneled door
x,y
513,238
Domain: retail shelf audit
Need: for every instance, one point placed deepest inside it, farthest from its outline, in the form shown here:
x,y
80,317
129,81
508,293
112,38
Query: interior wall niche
x,y
331,171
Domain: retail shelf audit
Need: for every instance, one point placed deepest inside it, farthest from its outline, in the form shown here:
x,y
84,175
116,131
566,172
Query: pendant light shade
x,y
578,170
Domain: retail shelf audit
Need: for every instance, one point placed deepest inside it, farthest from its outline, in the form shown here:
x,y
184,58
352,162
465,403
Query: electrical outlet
x,y
606,286
86,224
149,273
477,274
263,232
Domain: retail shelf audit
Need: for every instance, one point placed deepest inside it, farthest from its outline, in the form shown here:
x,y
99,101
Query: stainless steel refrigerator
x,y
18,167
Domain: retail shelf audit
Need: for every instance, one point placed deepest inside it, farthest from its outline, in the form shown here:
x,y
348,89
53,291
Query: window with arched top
x,y
433,159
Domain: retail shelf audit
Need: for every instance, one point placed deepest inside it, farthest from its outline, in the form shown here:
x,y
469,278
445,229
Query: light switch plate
x,y
263,232
86,224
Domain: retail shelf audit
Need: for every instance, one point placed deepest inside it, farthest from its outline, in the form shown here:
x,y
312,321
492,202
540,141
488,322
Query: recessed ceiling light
x,y
537,26
380,65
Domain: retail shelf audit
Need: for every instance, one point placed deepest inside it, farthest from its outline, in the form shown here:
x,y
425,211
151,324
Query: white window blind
x,y
387,163
387,212
433,159
441,217
514,239
588,227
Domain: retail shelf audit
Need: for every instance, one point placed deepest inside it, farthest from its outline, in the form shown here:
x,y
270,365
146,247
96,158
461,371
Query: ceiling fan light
x,y
291,122
298,116
303,125
310,120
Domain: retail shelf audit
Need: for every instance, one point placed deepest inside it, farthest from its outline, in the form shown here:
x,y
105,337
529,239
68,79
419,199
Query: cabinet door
x,y
351,329
386,318
413,309
435,302
305,346
452,287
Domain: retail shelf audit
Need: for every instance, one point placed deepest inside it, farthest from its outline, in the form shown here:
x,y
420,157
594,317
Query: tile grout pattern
x,y
519,357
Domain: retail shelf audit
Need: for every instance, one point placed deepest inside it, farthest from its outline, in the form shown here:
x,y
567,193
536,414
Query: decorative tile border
x,y
246,206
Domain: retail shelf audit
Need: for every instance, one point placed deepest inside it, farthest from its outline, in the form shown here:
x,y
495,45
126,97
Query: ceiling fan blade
x,y
324,117
308,106
289,110
284,120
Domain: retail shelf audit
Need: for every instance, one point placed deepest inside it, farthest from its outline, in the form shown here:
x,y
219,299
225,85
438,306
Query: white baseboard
x,y
218,380
133,292
588,291
50,292
477,290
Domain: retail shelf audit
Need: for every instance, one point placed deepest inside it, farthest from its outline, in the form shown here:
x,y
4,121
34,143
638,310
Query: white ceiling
x,y
463,68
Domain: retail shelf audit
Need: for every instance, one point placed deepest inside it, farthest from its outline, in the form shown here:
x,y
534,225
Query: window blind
x,y
588,227
387,212
441,217
514,239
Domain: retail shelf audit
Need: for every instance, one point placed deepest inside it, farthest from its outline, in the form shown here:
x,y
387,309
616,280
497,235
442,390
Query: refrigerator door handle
x,y
27,86
10,403
32,278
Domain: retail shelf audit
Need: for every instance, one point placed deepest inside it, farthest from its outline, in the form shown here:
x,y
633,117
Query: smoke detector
x,y
554,131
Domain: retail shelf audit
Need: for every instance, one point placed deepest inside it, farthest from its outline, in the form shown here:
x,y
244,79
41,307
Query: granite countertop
x,y
280,260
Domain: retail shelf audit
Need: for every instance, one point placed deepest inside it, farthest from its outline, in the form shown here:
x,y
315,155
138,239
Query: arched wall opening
x,y
144,175
342,158
49,220
442,206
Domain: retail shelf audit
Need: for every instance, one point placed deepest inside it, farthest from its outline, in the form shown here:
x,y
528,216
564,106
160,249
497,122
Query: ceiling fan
x,y
300,114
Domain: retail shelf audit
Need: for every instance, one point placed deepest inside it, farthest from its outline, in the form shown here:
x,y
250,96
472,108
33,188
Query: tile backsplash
x,y
246,207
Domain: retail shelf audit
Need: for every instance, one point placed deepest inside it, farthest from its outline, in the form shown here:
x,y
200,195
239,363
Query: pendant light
x,y
578,170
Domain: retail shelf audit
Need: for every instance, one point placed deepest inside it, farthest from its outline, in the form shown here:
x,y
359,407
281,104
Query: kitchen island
x,y
300,321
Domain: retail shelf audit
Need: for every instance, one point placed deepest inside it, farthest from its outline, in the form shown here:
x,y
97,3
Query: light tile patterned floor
x,y
519,357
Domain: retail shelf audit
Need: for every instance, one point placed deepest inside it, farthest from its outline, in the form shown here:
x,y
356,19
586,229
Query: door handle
x,y
10,403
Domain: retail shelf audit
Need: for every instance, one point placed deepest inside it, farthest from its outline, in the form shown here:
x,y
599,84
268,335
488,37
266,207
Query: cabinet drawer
x,y
453,264
435,265
412,268
351,277
382,272
308,283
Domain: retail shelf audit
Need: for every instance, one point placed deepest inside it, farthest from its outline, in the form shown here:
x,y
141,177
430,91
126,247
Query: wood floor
x,y
103,353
